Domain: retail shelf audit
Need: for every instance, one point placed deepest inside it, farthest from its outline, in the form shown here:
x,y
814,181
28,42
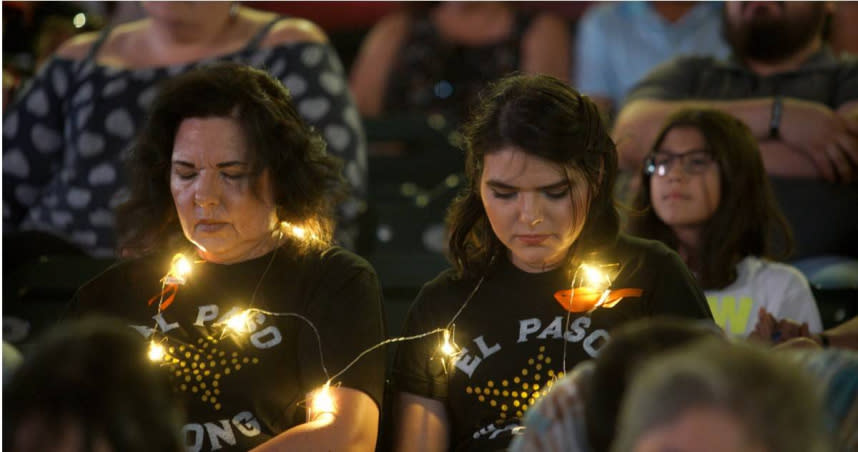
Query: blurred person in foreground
x,y
86,386
715,396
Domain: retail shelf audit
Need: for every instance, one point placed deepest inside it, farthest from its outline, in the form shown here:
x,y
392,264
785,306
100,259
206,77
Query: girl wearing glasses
x,y
706,195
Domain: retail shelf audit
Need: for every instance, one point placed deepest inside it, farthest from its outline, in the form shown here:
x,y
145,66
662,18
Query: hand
x,y
764,330
829,140
772,331
789,329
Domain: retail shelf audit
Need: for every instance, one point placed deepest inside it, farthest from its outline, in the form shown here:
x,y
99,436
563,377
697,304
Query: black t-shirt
x,y
511,331
241,391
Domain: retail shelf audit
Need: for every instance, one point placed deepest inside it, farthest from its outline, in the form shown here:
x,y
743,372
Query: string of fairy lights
x,y
594,279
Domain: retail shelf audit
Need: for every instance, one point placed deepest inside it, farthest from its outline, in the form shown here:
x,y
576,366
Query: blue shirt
x,y
619,43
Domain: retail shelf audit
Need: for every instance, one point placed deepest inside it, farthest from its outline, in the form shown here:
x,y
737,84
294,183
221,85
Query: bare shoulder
x,y
291,30
77,47
119,39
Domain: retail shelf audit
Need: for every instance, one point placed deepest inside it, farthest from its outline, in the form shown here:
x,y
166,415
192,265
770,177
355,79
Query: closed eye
x,y
234,176
503,194
186,175
557,194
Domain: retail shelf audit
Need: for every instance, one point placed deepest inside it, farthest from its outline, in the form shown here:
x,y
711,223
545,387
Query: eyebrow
x,y
498,184
231,163
690,151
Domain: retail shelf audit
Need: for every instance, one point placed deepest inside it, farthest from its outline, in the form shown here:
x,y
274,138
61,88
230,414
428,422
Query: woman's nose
x,y
206,191
674,171
530,208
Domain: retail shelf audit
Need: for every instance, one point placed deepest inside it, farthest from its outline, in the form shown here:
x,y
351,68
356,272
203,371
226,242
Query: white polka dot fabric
x,y
65,137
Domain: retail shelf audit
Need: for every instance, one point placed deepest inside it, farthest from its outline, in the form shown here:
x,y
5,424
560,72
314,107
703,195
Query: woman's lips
x,y
532,239
210,226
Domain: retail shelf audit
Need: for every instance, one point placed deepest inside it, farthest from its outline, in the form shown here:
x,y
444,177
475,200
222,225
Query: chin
x,y
211,247
536,259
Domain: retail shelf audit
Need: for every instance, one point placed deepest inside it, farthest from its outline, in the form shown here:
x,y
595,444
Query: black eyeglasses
x,y
693,162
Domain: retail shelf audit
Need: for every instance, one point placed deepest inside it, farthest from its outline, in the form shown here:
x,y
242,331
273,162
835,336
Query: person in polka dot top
x,y
65,137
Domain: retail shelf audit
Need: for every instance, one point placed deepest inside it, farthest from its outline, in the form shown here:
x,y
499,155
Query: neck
x,y
789,63
672,11
263,247
176,34
688,244
529,267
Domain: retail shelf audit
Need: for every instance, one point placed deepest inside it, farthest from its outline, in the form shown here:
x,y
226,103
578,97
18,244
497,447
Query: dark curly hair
x,y
747,222
544,117
307,182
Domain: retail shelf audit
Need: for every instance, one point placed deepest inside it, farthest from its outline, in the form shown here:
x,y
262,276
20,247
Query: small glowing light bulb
x,y
182,267
447,348
299,232
156,351
595,278
322,400
238,322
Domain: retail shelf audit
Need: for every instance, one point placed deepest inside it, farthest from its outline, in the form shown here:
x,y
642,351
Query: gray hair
x,y
776,402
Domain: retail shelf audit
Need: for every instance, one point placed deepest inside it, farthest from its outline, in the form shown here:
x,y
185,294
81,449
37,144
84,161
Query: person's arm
x,y
345,307
639,122
374,61
783,160
814,140
422,424
788,333
793,335
352,427
545,47
844,335
826,137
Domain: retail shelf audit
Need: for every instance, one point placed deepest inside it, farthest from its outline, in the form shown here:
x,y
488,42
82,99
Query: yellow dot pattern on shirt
x,y
199,368
514,397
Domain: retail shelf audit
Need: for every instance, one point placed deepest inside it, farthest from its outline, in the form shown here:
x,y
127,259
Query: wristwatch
x,y
775,122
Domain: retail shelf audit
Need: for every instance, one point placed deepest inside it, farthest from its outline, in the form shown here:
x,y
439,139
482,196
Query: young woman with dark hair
x,y
540,271
227,171
705,194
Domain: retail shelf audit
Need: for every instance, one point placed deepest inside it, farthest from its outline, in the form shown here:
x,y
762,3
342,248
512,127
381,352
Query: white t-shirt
x,y
760,283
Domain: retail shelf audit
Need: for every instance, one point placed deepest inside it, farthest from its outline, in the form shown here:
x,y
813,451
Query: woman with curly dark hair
x,y
540,274
226,171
